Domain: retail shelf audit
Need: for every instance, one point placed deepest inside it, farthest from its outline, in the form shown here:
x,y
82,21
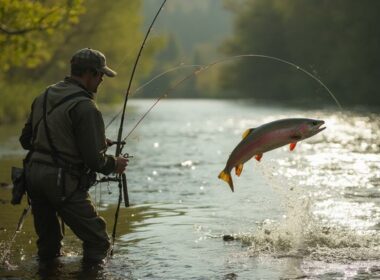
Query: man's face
x,y
95,81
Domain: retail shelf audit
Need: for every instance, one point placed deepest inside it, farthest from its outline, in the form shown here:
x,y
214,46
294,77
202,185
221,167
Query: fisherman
x,y
65,136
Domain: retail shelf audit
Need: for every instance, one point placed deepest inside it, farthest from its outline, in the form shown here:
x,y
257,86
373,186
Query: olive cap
x,y
93,58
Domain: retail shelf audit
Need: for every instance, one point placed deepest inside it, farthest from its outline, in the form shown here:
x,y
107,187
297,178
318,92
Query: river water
x,y
313,213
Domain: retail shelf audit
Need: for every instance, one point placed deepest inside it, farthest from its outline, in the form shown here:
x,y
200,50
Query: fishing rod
x,y
122,179
119,147
208,66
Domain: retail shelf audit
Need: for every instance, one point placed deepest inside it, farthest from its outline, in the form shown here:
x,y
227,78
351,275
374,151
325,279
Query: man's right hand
x,y
121,164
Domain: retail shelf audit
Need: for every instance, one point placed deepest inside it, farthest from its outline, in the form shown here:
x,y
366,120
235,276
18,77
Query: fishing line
x,y
168,71
181,66
208,66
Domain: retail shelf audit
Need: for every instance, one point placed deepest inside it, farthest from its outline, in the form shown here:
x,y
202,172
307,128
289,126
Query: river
x,y
313,213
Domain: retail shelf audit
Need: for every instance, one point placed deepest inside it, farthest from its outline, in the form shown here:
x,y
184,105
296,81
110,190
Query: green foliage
x,y
25,26
16,100
335,40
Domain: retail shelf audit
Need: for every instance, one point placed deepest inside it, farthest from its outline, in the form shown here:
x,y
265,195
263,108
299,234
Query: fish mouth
x,y
319,127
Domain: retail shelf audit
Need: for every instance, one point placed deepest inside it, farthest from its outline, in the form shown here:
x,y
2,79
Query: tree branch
x,y
5,29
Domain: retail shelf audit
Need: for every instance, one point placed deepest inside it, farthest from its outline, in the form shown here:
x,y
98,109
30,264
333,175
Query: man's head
x,y
89,66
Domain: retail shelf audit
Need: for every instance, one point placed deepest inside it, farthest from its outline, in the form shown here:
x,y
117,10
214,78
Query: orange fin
x,y
238,169
258,157
225,176
293,145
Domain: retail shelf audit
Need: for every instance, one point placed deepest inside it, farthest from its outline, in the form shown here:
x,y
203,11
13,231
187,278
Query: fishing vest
x,y
59,99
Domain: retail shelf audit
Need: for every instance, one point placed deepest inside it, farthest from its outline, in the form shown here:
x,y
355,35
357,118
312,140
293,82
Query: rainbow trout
x,y
267,137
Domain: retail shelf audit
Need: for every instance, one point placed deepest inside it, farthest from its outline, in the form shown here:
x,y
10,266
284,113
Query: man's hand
x,y
109,142
121,164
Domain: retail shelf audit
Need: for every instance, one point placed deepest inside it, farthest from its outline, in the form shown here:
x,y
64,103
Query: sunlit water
x,y
313,213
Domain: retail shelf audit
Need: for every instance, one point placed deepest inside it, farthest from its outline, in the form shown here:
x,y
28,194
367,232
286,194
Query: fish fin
x,y
258,157
225,176
238,169
293,145
247,132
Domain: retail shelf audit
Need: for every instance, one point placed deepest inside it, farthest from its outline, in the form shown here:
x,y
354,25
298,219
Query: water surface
x,y
313,213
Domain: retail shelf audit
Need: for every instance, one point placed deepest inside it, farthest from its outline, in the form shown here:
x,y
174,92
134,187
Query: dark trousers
x,y
77,212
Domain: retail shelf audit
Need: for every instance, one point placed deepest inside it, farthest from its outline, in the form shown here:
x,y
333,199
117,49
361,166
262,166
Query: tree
x,y
335,40
25,25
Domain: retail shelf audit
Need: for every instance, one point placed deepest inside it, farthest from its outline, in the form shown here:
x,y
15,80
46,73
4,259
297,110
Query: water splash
x,y
302,234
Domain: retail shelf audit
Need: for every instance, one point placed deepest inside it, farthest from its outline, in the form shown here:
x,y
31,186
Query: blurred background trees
x,y
337,41
38,38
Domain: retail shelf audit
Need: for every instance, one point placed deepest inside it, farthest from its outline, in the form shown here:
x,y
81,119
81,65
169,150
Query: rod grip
x,y
125,189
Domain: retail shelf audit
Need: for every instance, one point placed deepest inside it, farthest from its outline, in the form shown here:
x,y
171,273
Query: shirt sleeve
x,y
26,137
89,133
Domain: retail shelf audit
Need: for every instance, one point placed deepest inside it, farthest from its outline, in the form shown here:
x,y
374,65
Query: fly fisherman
x,y
66,138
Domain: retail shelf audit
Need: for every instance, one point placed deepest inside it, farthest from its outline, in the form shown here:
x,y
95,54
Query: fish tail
x,y
226,176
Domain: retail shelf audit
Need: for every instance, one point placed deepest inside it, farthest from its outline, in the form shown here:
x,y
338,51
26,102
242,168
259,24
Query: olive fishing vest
x,y
60,99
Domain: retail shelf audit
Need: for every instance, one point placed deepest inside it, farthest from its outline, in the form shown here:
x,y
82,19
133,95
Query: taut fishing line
x,y
208,66
181,66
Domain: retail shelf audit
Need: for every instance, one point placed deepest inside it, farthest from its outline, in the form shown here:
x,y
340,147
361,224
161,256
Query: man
x,y
66,138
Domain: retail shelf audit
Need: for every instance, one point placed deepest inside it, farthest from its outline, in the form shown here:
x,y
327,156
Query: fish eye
x,y
315,123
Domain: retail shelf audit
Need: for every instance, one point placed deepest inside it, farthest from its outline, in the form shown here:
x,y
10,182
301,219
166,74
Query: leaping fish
x,y
267,137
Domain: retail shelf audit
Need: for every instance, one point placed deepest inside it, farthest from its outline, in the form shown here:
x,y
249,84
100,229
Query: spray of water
x,y
300,234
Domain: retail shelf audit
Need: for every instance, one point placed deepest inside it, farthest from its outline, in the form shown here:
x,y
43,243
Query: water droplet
x,y
156,145
155,173
187,163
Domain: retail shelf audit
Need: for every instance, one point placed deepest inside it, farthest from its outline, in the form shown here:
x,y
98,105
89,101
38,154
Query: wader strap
x,y
62,101
54,153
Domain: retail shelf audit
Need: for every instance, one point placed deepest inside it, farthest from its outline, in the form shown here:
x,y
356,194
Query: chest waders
x,y
60,176
60,163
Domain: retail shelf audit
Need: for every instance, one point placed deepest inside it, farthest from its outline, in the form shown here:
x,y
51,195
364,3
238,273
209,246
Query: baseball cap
x,y
93,58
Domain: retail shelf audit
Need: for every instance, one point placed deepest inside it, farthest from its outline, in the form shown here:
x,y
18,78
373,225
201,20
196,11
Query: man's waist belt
x,y
76,170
